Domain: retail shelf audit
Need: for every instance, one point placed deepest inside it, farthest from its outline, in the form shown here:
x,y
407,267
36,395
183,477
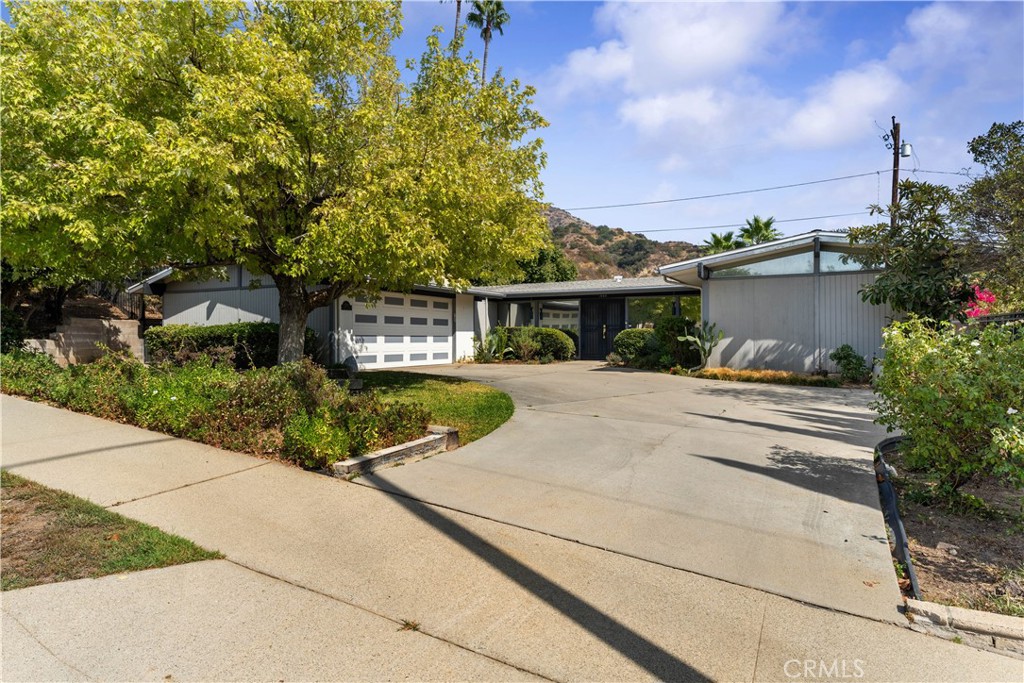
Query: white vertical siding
x,y
768,322
464,326
793,323
846,319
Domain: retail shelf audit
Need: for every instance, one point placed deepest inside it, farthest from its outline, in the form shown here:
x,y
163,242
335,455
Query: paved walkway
x,y
320,574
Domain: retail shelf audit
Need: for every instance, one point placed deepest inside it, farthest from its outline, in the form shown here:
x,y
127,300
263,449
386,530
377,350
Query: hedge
x,y
293,411
251,344
528,343
631,343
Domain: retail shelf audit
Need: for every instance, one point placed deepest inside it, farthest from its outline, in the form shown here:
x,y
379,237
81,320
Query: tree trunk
x,y
293,311
458,15
483,73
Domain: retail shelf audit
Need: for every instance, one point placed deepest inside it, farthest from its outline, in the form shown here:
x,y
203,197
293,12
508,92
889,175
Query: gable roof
x,y
686,271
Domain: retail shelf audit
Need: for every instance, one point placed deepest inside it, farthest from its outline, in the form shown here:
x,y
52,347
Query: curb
x,y
439,440
999,632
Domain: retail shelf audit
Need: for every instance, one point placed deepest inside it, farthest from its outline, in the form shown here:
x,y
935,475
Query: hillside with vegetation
x,y
603,252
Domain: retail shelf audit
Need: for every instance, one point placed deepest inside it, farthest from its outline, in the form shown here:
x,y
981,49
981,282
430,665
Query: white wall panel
x,y
464,327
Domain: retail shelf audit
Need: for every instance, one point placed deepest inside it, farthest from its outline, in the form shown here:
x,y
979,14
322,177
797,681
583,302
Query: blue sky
x,y
652,101
662,100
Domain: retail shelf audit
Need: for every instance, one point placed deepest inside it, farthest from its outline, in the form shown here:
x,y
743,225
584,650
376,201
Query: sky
x,y
652,101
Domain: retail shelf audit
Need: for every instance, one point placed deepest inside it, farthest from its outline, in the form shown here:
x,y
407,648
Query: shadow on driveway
x,y
660,663
830,476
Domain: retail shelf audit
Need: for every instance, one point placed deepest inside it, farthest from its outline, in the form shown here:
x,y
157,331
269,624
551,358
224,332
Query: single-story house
x,y
786,304
782,305
428,326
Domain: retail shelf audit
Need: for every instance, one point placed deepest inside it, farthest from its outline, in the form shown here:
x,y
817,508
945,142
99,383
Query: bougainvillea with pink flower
x,y
981,304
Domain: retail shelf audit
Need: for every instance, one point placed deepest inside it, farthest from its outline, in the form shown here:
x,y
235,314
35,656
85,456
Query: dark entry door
x,y
600,321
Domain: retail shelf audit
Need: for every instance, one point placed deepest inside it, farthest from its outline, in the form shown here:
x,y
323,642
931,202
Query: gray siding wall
x,y
216,302
792,323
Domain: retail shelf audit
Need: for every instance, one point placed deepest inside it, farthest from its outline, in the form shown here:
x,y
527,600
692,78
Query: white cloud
x,y
659,46
843,108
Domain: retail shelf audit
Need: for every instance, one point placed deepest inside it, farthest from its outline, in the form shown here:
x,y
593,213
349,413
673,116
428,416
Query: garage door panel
x,y
402,331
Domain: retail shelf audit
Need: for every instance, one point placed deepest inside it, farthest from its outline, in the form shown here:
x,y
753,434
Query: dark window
x,y
418,303
442,305
367,359
393,340
392,358
393,319
417,356
394,301
366,339
440,356
441,339
417,339
441,321
363,318
417,321
361,299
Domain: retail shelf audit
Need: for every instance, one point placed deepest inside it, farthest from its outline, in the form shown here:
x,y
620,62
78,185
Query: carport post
x,y
537,306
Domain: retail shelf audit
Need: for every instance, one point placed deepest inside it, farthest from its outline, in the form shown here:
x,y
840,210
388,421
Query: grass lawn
x,y
48,536
474,409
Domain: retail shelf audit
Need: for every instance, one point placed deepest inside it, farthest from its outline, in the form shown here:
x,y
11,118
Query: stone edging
x,y
440,439
999,632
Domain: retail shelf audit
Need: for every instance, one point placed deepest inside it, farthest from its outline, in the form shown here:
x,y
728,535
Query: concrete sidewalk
x,y
320,573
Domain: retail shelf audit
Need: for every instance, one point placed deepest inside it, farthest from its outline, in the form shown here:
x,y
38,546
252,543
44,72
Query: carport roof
x,y
627,286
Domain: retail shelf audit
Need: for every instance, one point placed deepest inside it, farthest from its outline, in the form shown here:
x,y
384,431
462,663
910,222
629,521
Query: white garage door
x,y
403,330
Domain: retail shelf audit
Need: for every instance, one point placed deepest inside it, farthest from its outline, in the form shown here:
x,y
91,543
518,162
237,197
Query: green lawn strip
x,y
50,536
474,409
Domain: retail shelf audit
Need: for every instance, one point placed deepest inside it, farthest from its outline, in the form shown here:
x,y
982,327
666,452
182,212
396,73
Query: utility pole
x,y
895,171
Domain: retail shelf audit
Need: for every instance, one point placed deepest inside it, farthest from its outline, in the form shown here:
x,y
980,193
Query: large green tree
x,y
991,212
488,16
923,270
275,135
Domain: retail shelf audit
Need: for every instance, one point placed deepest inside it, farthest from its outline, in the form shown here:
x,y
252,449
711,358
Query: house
x,y
786,304
429,325
782,305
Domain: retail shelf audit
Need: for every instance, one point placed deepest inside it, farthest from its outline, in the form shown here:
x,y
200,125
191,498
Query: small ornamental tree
x,y
276,135
922,267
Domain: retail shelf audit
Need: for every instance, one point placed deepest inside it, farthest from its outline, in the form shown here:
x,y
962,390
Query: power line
x,y
740,225
726,194
760,189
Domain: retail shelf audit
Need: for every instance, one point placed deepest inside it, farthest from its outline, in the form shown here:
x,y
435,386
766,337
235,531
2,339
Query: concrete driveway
x,y
764,486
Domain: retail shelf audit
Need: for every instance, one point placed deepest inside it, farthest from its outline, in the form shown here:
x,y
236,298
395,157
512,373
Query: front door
x,y
600,321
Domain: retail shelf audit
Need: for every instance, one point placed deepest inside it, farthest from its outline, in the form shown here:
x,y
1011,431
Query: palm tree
x,y
724,242
760,230
458,15
487,15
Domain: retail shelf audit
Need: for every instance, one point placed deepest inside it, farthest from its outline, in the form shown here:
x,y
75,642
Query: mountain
x,y
601,252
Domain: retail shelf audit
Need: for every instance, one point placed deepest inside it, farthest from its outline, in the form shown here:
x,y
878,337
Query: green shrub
x,y
574,337
252,344
852,366
671,350
293,410
28,374
12,331
314,441
631,344
493,347
543,341
959,396
373,424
